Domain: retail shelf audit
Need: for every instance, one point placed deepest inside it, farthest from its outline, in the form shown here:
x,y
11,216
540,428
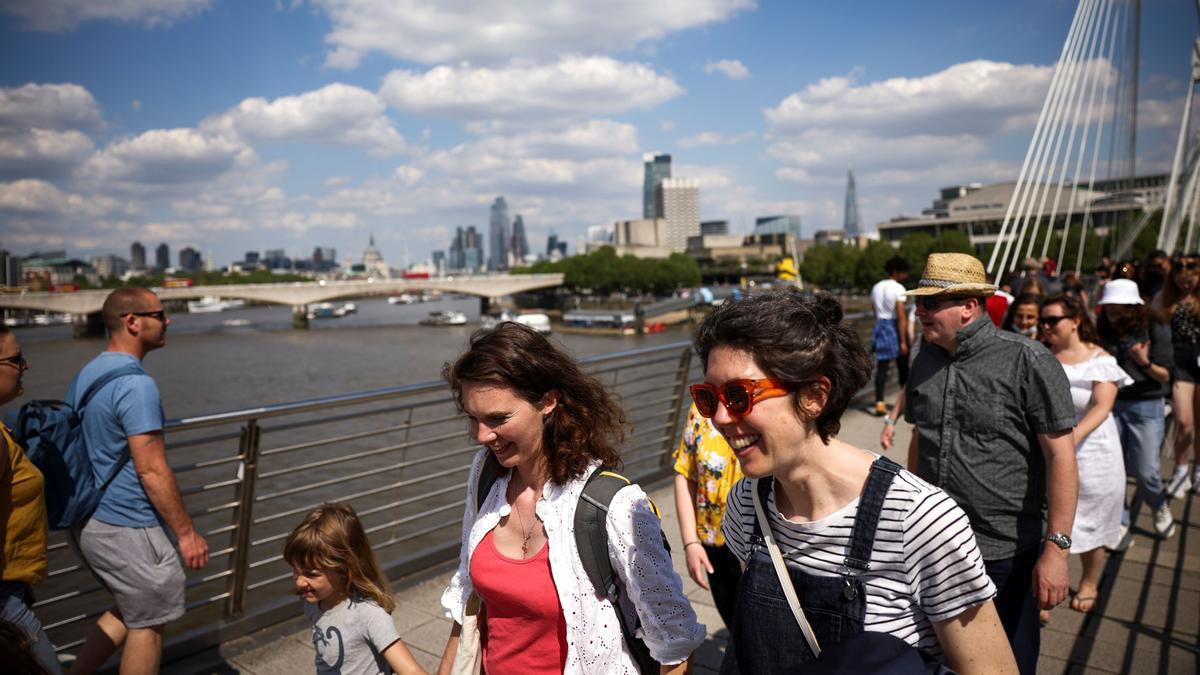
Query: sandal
x,y
1084,603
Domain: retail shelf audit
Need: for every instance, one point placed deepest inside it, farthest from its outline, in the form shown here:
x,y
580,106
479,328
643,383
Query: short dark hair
x,y
895,264
586,424
1156,253
795,339
120,302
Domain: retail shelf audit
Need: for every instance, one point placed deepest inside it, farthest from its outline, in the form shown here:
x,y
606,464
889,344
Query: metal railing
x,y
400,455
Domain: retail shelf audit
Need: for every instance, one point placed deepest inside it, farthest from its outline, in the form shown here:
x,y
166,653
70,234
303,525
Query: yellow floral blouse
x,y
705,457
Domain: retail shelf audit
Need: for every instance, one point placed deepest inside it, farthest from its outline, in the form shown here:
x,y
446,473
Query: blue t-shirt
x,y
125,407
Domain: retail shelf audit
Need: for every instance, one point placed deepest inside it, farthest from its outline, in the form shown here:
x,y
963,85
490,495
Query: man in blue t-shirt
x,y
123,542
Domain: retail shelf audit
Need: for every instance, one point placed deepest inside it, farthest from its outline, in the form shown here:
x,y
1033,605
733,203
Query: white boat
x,y
402,299
212,303
326,310
349,308
538,321
444,318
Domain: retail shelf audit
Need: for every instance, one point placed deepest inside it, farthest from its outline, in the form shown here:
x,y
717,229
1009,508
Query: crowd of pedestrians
x,y
1028,406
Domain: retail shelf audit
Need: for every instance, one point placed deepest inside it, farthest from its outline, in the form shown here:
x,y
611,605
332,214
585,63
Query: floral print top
x,y
705,457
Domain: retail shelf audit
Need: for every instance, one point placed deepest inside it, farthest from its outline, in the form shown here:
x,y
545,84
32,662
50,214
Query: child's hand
x,y
401,660
698,564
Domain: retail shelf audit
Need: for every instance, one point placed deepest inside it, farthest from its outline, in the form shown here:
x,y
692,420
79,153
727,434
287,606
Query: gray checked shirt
x,y
979,413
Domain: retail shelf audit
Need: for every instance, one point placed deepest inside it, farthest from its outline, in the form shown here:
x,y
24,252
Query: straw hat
x,y
1121,292
953,274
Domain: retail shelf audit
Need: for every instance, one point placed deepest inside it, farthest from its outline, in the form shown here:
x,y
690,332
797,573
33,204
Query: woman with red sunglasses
x,y
866,546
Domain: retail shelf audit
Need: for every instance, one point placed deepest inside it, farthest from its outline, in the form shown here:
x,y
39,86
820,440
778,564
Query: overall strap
x,y
785,580
870,505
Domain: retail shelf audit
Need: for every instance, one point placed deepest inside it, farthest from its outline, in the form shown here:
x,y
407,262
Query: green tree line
x,y
602,271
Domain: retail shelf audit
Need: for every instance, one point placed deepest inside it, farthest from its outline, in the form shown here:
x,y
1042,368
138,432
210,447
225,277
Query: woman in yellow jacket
x,y
22,518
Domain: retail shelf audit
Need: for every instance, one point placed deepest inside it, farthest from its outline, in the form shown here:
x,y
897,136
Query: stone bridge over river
x,y
296,294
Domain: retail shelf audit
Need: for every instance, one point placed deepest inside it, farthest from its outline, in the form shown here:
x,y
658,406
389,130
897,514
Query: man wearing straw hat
x,y
994,419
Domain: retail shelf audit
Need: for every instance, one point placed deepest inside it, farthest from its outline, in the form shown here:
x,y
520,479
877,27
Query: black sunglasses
x,y
17,360
1051,321
160,314
932,303
1189,265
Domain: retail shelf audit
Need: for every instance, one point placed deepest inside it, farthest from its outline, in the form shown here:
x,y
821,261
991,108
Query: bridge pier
x,y
485,305
90,325
300,317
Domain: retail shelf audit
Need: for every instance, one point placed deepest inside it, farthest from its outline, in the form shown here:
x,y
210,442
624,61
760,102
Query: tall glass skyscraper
x,y
850,222
520,244
658,168
498,236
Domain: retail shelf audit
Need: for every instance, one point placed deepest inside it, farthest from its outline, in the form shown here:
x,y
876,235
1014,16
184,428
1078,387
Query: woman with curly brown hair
x,y
550,426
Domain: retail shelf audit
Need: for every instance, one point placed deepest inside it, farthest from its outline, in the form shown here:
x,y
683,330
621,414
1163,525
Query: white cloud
x,y
42,153
490,32
39,198
573,86
712,138
973,97
166,156
48,106
64,15
731,68
336,114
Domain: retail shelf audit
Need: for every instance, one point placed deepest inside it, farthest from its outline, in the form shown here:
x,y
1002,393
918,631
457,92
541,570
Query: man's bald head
x,y
126,301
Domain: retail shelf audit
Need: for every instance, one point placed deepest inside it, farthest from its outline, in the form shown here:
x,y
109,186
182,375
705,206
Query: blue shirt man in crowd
x,y
124,543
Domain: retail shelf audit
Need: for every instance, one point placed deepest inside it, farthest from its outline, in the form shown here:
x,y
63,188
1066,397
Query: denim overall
x,y
765,637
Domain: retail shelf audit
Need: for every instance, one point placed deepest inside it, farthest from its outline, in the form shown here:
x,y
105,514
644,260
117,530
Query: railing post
x,y
681,397
239,560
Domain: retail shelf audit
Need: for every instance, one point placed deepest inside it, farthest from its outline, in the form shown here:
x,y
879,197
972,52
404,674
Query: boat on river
x,y
538,321
212,303
444,318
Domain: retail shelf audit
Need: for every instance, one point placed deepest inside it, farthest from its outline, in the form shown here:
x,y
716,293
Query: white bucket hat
x,y
1121,292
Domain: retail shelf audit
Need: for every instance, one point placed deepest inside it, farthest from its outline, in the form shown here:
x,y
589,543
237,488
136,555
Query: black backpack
x,y
591,539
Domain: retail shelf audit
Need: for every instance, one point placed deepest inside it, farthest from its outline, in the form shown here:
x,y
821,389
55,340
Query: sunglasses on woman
x,y
738,396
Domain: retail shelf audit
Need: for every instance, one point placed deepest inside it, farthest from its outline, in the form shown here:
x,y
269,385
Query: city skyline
x,y
228,127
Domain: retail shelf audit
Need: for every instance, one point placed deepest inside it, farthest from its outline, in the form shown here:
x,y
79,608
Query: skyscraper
x,y
520,244
681,209
782,224
850,223
189,259
658,169
137,257
472,250
162,257
498,236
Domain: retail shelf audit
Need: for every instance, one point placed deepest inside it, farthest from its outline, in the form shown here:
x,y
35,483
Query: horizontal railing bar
x,y
208,487
352,476
359,455
407,425
337,439
646,391
185,468
69,594
420,533
414,517
643,430
55,547
390,505
200,440
314,421
669,358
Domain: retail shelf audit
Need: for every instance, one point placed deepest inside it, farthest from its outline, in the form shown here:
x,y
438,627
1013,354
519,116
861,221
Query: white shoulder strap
x,y
785,580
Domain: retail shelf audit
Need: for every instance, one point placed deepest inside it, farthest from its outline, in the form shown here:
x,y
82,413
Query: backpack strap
x,y
100,382
489,473
866,520
591,539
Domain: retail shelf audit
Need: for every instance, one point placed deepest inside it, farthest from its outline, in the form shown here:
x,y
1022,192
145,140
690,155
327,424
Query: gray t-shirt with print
x,y
350,639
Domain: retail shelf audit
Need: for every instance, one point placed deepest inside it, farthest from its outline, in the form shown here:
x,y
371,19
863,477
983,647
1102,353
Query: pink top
x,y
524,631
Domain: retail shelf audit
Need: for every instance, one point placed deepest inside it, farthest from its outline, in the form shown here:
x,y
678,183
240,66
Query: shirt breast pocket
x,y
984,417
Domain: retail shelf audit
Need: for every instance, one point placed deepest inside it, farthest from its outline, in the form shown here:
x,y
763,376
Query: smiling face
x,y
507,424
319,586
1057,330
11,371
940,326
764,440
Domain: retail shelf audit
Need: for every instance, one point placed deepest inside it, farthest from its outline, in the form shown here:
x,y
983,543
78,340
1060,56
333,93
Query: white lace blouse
x,y
651,586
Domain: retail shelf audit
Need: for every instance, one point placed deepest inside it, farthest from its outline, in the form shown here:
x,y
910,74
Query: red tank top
x,y
524,631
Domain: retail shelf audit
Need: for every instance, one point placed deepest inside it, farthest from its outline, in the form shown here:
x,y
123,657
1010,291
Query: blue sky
x,y
235,126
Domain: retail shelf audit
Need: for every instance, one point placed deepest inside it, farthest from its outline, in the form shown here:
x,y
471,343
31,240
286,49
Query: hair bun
x,y
827,310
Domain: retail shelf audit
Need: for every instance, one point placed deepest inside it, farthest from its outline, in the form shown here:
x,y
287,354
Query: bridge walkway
x,y
1146,620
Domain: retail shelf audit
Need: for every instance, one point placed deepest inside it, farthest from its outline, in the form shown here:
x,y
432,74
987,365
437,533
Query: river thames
x,y
210,366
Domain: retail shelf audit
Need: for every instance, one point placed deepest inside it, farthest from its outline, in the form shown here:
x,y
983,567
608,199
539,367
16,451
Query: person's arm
x,y
451,648
902,326
677,669
149,455
1050,575
974,642
889,423
401,659
1140,353
912,450
1104,394
685,508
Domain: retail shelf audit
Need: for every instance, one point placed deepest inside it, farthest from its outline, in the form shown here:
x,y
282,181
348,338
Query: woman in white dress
x,y
1068,331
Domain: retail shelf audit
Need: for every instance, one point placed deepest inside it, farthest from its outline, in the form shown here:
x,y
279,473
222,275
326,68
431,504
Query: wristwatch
x,y
1060,540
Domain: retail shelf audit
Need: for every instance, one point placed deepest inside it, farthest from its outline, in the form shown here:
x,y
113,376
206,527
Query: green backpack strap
x,y
488,475
591,538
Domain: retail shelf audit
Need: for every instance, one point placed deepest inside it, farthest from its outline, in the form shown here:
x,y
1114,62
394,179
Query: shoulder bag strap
x,y
785,580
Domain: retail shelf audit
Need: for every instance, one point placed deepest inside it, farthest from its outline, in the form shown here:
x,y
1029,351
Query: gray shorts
x,y
139,566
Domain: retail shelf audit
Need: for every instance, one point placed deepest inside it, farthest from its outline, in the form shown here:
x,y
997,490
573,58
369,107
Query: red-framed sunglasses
x,y
739,396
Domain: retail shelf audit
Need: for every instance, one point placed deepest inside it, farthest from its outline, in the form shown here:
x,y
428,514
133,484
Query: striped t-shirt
x,y
925,566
